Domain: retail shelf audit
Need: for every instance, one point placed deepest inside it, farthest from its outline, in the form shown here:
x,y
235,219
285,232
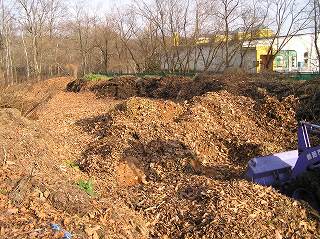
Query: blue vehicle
x,y
282,169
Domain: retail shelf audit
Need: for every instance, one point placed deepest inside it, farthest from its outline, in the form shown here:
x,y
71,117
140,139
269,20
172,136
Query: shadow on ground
x,y
166,88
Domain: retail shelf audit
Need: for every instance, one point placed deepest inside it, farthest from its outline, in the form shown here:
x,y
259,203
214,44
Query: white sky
x,y
103,7
106,5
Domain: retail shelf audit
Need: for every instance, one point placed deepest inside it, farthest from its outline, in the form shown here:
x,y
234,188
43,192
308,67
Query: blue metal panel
x,y
267,170
281,167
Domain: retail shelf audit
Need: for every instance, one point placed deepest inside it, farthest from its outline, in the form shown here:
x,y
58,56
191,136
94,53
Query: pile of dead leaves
x,y
37,188
124,87
187,161
168,161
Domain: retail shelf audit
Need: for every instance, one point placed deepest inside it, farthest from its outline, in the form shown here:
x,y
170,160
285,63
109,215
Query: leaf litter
x,y
166,162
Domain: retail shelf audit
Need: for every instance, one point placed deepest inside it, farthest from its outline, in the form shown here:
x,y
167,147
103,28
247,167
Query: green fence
x,y
101,75
306,76
151,73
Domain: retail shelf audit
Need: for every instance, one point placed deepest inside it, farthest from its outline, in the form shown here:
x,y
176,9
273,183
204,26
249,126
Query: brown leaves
x,y
193,161
92,232
278,235
12,211
188,159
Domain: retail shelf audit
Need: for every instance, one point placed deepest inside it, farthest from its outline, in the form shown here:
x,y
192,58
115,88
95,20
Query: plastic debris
x,y
55,227
67,235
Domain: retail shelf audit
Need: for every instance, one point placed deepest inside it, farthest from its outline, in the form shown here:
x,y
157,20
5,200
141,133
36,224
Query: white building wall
x,y
218,61
306,52
303,44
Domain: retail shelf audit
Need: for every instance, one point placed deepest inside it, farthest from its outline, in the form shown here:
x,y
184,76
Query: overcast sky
x,y
102,5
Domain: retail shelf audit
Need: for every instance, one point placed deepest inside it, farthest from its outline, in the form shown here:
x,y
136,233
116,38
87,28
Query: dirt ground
x,y
166,157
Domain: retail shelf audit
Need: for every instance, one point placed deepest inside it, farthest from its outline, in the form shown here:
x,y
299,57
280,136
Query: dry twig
x,y
4,156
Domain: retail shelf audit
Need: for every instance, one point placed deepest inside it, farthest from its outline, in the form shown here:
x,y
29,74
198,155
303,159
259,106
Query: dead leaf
x,y
92,232
2,231
278,235
12,210
46,194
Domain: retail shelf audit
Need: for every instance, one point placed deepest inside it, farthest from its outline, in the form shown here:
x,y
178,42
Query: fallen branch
x,y
44,100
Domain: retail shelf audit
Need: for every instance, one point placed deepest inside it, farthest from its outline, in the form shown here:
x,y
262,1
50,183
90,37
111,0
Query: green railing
x,y
151,73
306,76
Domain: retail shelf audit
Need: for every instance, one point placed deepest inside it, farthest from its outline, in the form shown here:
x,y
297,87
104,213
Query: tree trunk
x,y
316,37
35,57
26,54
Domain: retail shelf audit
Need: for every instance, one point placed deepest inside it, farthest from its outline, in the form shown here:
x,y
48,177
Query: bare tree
x,y
228,14
315,8
26,54
37,18
127,28
104,39
253,19
159,14
82,27
6,34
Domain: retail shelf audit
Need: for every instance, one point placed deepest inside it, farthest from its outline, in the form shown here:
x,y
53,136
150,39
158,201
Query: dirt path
x,y
60,115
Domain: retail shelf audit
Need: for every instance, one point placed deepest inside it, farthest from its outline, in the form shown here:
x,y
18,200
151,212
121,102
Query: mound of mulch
x,y
188,160
31,182
31,97
179,88
37,188
174,88
166,164
214,127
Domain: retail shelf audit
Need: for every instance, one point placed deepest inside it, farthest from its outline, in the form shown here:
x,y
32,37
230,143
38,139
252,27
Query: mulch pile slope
x,y
168,160
174,88
181,163
178,88
38,176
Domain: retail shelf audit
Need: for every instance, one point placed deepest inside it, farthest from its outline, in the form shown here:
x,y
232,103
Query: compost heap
x,y
181,165
169,87
29,97
178,88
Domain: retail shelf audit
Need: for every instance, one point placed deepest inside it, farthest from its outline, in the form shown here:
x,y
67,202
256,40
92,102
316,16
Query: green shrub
x,y
72,164
96,77
87,186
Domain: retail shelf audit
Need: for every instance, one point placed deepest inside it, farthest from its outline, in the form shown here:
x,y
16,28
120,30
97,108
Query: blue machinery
x,y
281,168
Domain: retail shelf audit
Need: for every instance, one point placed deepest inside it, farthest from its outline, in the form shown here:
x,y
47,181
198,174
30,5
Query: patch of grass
x,y
3,191
87,186
96,77
72,164
146,74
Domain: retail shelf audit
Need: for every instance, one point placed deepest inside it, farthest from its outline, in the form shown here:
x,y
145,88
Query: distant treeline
x,y
44,38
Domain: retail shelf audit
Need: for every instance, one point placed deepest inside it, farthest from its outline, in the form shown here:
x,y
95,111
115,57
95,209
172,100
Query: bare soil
x,y
166,157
